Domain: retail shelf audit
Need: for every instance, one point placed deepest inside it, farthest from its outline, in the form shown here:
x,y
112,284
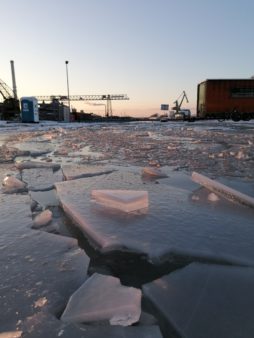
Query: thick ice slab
x,y
124,200
205,301
72,172
175,227
221,189
39,179
103,298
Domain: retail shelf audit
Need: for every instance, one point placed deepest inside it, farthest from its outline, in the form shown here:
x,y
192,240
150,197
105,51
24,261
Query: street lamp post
x,y
68,91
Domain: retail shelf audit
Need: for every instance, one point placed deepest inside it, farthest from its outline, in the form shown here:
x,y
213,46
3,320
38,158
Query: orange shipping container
x,y
225,99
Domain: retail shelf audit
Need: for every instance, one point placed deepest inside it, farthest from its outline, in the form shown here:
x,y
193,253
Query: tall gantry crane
x,y
107,97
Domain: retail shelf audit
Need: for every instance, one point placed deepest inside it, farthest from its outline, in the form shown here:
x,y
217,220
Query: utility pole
x,y
68,91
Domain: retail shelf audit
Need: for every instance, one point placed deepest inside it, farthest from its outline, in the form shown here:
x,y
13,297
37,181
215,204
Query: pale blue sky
x,y
150,50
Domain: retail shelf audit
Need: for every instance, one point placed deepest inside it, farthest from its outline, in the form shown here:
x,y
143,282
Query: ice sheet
x,y
175,226
39,179
103,298
205,301
39,272
72,172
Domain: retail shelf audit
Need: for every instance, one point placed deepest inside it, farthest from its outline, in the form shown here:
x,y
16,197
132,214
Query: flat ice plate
x,y
175,224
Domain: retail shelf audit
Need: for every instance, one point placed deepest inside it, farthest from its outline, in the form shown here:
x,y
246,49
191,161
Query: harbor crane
x,y
9,107
107,97
178,104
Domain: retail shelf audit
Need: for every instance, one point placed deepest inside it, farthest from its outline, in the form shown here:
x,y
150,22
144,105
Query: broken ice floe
x,y
204,301
39,179
175,229
103,298
124,200
223,190
72,172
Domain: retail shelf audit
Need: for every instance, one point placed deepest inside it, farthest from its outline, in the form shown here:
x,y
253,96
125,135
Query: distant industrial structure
x,y
51,107
54,107
9,107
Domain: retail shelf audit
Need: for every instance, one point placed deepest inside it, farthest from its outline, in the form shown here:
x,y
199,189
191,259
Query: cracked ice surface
x,y
72,172
175,224
39,179
103,298
34,265
205,301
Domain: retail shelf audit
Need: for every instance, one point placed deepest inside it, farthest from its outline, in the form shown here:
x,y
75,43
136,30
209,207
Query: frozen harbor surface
x,y
181,224
204,301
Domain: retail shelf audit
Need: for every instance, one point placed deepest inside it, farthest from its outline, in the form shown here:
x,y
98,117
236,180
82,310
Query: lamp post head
x,y
66,62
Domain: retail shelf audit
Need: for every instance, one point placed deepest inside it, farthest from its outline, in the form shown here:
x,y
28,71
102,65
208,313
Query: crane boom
x,y
83,97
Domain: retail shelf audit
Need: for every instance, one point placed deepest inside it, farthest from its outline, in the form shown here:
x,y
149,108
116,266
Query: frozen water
x,y
39,179
72,172
36,269
175,227
35,265
124,200
205,301
103,298
42,325
223,190
42,219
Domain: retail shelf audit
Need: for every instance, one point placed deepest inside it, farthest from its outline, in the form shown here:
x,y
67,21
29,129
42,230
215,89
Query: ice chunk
x,y
204,300
124,200
103,298
11,182
42,219
221,189
213,197
33,164
11,334
154,172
